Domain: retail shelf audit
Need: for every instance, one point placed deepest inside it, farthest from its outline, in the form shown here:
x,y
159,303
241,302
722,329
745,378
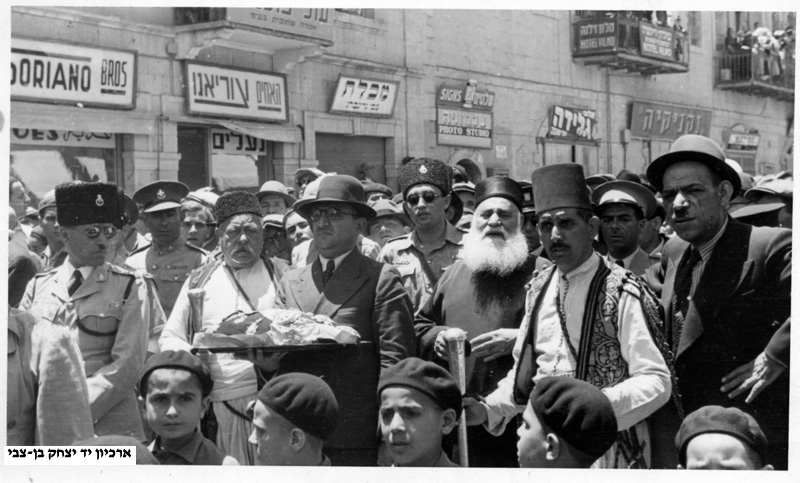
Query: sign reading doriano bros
x,y
60,73
463,115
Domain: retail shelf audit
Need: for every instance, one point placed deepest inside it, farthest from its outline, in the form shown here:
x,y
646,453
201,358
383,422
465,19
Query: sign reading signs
x,y
594,36
652,120
230,142
222,91
364,96
51,137
463,115
656,42
307,22
569,123
72,74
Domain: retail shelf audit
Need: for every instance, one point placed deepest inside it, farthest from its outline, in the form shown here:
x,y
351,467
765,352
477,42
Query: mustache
x,y
559,245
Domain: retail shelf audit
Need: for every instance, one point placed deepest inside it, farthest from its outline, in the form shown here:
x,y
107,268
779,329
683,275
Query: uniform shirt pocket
x,y
98,324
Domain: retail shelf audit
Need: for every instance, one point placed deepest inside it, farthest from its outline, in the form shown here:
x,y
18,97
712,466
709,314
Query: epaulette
x,y
196,248
120,270
141,249
401,237
44,274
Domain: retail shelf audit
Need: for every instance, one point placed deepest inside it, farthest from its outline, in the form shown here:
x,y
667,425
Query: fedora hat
x,y
700,149
339,188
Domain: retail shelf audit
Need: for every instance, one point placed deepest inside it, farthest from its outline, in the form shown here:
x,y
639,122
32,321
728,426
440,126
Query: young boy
x,y
174,394
568,423
420,403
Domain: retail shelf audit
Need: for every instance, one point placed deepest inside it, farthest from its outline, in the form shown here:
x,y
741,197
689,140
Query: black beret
x,y
577,412
236,203
426,377
499,186
177,360
717,419
425,171
80,203
305,401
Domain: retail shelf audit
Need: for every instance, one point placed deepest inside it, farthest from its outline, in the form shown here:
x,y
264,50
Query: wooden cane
x,y
456,340
196,297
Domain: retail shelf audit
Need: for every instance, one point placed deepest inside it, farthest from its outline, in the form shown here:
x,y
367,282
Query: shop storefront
x,y
571,138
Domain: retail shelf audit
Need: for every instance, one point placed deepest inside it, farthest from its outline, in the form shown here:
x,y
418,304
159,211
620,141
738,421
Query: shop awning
x,y
69,118
270,132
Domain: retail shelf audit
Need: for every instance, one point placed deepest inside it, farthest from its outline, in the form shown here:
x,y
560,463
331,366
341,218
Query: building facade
x,y
234,97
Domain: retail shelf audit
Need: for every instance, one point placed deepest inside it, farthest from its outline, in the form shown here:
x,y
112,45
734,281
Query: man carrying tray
x,y
240,281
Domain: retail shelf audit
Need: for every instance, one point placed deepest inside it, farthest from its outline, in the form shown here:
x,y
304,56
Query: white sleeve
x,y
500,405
175,334
649,386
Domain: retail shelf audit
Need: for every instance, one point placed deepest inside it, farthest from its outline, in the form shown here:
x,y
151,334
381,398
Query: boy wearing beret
x,y
293,417
568,423
174,394
420,404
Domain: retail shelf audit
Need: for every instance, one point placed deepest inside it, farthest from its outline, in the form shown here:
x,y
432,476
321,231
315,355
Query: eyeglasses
x,y
332,214
94,232
428,197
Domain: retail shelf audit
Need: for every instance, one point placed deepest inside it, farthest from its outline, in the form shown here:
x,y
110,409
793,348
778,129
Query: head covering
x,y
80,203
205,197
560,186
527,196
236,203
717,419
759,214
143,455
499,187
130,213
160,195
389,209
336,188
700,149
30,212
304,171
780,187
626,175
170,359
276,188
577,412
596,180
457,208
274,220
425,171
47,201
38,233
426,377
460,174
626,192
467,187
304,400
379,188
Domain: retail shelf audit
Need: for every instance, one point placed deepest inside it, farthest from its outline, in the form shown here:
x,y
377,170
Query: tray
x,y
271,349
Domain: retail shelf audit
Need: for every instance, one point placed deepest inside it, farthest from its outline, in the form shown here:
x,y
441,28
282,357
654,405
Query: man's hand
x,y
754,376
491,345
266,362
474,412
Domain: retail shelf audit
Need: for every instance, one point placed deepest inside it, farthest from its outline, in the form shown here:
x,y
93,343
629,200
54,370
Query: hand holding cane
x,y
456,340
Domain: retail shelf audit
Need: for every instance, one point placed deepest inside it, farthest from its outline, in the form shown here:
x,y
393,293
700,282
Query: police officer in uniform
x,y
106,307
169,259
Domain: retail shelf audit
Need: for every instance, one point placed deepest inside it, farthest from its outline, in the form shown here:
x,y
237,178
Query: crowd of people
x,y
610,321
760,53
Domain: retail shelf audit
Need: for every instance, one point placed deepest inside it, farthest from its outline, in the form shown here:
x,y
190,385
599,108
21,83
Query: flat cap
x,y
170,359
577,412
425,171
377,188
236,203
717,419
160,195
426,377
305,401
80,203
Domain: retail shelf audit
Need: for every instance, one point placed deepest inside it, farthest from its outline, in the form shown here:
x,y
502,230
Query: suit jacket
x,y
368,296
22,266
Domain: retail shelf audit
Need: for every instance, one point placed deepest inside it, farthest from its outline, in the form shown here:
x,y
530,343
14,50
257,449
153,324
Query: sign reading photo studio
x,y
72,74
226,92
464,115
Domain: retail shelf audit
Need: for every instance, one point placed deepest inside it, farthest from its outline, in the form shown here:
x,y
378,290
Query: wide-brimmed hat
x,y
276,188
700,149
625,192
304,171
339,188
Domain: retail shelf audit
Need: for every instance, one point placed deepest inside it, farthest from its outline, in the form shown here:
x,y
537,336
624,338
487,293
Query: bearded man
x,y
484,295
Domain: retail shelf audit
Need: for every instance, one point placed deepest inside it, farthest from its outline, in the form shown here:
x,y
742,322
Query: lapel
x,y
346,282
727,267
93,283
306,288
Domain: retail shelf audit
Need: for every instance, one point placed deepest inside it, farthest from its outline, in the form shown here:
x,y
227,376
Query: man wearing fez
x,y
169,259
106,307
584,318
726,295
434,244
240,281
356,291
623,207
484,295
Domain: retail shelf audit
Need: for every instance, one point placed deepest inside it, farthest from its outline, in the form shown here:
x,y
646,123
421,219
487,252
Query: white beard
x,y
497,256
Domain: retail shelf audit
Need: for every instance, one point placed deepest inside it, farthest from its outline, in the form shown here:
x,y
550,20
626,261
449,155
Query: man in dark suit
x,y
726,295
356,291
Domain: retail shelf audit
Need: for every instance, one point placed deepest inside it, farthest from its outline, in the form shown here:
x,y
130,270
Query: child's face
x,y
270,436
413,426
174,403
532,445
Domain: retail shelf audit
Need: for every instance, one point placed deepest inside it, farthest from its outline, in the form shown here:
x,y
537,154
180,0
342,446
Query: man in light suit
x,y
726,296
356,291
623,208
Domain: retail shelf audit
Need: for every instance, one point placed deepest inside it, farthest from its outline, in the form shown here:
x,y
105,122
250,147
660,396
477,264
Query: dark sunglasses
x,y
428,197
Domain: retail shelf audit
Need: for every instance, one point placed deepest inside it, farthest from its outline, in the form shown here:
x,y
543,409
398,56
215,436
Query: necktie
x,y
77,280
683,288
620,263
328,273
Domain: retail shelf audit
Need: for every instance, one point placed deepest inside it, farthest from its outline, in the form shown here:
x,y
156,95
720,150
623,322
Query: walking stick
x,y
196,296
456,340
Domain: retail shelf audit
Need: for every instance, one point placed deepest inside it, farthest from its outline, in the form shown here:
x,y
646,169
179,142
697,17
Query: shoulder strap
x,y
424,264
128,289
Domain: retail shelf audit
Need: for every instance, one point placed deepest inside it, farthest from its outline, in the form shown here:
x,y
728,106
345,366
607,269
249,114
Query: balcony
x,y
755,74
630,45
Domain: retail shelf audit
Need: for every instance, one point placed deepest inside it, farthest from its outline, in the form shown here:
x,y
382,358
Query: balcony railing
x,y
759,74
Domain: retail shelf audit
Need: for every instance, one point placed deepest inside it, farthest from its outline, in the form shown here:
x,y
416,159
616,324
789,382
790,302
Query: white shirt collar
x,y
69,269
336,261
586,267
